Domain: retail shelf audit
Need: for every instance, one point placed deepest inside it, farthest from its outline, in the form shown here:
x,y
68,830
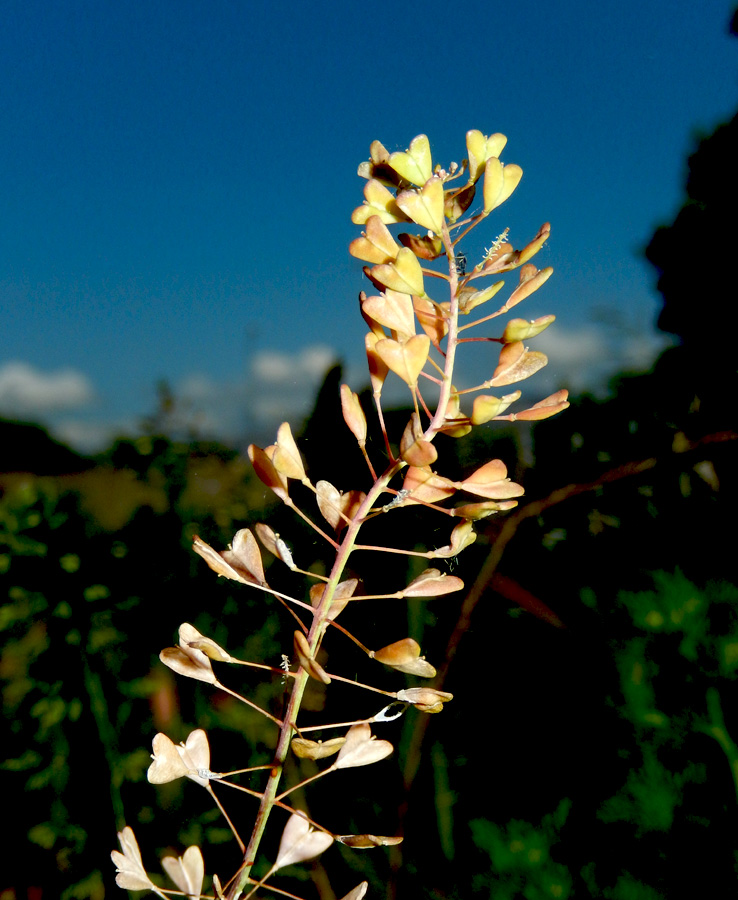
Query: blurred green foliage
x,y
520,858
673,795
96,574
622,722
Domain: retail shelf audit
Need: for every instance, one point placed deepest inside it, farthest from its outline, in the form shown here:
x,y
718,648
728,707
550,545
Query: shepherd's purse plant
x,y
426,303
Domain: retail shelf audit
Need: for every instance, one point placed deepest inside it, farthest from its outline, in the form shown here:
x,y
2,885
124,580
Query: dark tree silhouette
x,y
27,447
694,257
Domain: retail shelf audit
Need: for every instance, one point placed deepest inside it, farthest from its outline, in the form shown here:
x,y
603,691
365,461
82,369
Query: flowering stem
x,y
315,635
451,339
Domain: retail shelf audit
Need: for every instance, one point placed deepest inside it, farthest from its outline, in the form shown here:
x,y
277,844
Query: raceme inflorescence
x,y
415,335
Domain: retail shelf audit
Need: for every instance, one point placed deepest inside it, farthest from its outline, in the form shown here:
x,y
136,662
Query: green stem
x,y
315,635
451,339
717,730
108,738
320,617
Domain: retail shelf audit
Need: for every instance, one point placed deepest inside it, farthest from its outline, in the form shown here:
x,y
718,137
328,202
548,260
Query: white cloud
x,y
582,359
278,387
198,387
89,437
26,391
586,358
273,367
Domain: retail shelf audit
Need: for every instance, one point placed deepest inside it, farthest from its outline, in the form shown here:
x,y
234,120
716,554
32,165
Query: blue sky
x,y
178,179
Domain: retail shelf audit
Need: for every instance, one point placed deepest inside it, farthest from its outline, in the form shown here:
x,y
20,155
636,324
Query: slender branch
x,y
225,816
451,340
475,220
270,793
367,687
248,702
315,635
